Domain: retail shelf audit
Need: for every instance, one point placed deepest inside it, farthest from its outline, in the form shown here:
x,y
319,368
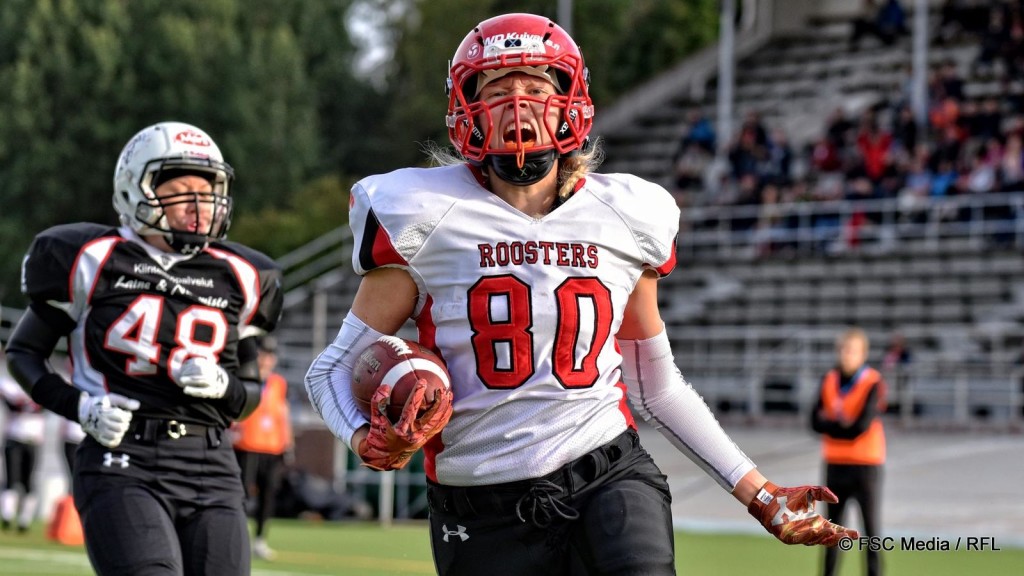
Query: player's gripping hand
x,y
202,377
788,513
390,447
106,418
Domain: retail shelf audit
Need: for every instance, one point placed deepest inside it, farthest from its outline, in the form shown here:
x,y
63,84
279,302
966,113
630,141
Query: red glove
x,y
390,447
788,513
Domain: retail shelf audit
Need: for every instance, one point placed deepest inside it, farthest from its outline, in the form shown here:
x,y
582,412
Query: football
x,y
399,363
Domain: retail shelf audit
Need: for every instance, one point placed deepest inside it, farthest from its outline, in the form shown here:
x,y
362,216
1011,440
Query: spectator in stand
x,y
995,36
895,361
896,354
746,155
851,397
892,22
699,131
839,128
23,435
887,22
905,130
752,121
967,120
988,123
947,149
958,17
944,180
690,165
913,197
944,113
981,175
1014,45
1011,165
952,82
694,155
873,144
262,441
778,167
770,229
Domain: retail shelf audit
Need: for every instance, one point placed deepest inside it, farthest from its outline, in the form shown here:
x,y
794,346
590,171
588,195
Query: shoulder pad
x,y
268,309
47,266
650,212
258,259
392,214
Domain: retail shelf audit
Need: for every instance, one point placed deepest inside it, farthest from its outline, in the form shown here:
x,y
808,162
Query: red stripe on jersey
x,y
431,449
113,241
624,407
670,264
623,404
428,337
74,269
384,252
250,293
426,327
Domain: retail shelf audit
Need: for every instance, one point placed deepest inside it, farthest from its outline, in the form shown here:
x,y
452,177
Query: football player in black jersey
x,y
161,317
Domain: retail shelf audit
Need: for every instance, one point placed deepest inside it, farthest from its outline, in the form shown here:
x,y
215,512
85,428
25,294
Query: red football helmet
x,y
532,44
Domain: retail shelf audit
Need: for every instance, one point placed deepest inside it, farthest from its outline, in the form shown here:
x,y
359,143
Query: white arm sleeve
x,y
666,400
329,378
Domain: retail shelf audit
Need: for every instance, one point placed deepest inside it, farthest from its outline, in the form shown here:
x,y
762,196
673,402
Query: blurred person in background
x,y
851,399
24,432
262,441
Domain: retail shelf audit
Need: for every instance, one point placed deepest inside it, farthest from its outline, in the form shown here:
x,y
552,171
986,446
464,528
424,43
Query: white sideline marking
x,y
74,562
47,559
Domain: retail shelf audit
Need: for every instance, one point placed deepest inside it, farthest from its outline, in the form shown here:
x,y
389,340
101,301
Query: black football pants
x,y
20,461
863,484
261,477
163,506
606,513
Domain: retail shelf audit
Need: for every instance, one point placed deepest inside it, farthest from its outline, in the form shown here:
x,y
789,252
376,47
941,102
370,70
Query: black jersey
x,y
137,313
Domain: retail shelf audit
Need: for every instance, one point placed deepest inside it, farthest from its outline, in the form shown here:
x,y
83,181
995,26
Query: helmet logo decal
x,y
517,43
192,138
129,150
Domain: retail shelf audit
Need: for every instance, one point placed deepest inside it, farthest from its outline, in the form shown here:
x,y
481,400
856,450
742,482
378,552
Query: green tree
x,y
315,209
82,76
623,47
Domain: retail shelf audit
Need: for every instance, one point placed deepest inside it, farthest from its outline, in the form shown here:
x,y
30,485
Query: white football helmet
x,y
164,150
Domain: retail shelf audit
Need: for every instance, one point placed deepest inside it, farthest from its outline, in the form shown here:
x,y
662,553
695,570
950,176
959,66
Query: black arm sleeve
x,y
28,352
244,389
837,429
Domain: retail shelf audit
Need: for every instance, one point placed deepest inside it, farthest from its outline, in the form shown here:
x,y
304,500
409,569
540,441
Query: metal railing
x,y
778,370
836,225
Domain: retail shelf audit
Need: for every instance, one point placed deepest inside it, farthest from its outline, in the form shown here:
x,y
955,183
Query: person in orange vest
x,y
262,441
851,399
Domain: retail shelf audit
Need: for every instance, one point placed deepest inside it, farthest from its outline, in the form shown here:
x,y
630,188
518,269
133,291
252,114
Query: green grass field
x,y
358,549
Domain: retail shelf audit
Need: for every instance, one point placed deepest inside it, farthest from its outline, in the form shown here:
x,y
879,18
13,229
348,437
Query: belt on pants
x,y
154,429
538,498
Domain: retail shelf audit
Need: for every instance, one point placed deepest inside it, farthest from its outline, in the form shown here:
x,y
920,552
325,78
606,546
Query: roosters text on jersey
x,y
570,254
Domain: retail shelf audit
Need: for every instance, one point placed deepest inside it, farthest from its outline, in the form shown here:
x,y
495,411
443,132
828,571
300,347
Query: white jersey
x,y
523,310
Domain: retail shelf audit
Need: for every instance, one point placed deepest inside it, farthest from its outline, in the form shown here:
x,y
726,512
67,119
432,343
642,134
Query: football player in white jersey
x,y
536,281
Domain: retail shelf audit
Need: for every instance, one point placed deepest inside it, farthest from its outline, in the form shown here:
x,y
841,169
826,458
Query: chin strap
x,y
187,243
536,165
